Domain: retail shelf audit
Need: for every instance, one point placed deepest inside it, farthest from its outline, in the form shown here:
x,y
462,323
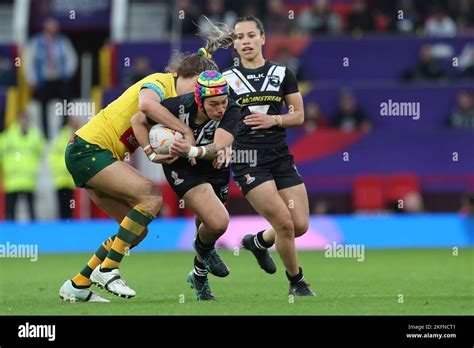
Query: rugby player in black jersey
x,y
272,185
203,186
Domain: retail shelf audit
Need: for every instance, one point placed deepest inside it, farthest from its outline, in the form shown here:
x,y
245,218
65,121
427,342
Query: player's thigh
x,y
207,207
296,198
268,203
122,181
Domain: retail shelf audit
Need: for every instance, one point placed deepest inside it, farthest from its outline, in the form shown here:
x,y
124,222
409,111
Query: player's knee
x,y
218,224
286,228
300,228
152,199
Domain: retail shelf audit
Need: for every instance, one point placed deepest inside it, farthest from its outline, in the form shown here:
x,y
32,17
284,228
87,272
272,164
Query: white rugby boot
x,y
71,294
112,282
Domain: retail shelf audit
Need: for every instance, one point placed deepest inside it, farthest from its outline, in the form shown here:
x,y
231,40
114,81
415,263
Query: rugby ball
x,y
161,138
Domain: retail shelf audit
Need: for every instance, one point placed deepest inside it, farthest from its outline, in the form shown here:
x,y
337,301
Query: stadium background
x,y
397,182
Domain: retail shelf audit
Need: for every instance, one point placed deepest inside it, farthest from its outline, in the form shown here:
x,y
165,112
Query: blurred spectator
x,y
313,118
322,207
467,204
140,68
51,62
63,182
216,12
409,21
350,117
466,61
285,57
276,20
440,24
319,19
360,19
413,203
251,9
7,73
463,12
20,154
191,16
427,67
463,115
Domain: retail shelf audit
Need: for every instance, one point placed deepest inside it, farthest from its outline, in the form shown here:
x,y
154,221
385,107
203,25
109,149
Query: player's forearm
x,y
163,116
292,119
140,128
213,150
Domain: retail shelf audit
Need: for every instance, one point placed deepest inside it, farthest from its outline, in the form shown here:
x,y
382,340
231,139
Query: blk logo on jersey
x,y
255,77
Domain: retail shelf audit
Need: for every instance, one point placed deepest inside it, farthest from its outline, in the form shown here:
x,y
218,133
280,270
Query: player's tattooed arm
x,y
222,139
211,151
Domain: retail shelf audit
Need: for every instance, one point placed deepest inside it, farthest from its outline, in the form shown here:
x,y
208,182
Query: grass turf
x,y
431,281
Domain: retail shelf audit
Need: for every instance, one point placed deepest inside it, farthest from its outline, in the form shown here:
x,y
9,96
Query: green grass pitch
x,y
387,282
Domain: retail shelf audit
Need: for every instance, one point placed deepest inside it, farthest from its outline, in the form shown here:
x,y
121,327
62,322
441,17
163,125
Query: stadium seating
x,y
368,193
397,186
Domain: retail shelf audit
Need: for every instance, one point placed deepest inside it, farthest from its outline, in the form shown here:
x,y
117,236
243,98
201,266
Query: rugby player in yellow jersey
x,y
94,157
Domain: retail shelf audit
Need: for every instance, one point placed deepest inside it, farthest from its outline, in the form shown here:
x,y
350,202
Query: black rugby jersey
x,y
185,108
260,90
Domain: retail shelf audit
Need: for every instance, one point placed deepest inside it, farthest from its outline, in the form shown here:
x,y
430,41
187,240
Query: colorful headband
x,y
203,52
210,83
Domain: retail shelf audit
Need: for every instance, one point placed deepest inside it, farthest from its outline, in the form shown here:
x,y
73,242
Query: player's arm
x,y
222,140
294,118
141,128
149,103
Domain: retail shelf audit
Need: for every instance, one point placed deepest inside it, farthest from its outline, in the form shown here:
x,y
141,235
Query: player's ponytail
x,y
216,36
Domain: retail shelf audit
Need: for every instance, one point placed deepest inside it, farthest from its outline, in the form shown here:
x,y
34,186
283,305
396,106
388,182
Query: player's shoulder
x,y
271,63
185,101
162,79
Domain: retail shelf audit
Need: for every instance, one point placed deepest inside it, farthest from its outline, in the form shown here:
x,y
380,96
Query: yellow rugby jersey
x,y
111,128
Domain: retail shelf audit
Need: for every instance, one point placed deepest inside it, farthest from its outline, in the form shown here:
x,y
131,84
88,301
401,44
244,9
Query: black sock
x,y
296,278
199,269
202,248
74,285
260,242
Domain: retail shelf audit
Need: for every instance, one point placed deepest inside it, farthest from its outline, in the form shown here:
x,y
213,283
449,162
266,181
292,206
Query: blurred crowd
x,y
313,17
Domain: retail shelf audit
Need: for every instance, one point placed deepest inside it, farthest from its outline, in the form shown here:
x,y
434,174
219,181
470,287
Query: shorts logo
x,y
177,180
250,179
224,191
296,169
